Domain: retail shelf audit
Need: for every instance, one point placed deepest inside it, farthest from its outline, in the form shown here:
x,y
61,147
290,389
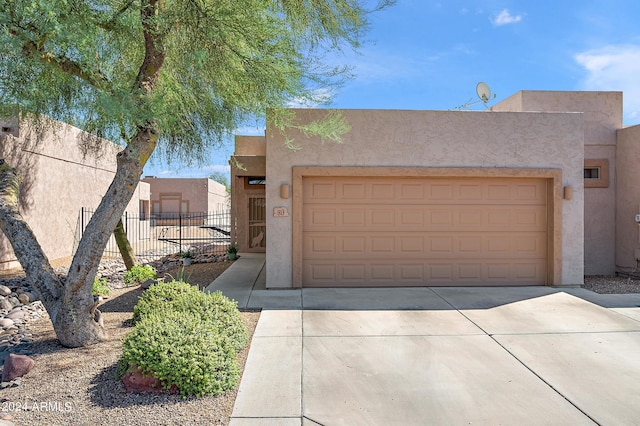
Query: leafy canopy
x,y
225,60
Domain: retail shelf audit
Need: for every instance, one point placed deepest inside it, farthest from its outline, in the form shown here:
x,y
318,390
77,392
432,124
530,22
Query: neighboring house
x,y
59,179
186,195
540,190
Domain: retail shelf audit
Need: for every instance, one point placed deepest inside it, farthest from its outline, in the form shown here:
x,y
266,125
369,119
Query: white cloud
x,y
614,68
505,17
319,97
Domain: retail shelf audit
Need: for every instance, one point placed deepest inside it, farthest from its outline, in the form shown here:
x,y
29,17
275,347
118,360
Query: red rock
x,y
135,381
16,366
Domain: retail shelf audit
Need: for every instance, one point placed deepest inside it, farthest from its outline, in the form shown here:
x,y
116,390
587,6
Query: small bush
x,y
139,274
100,287
159,297
214,308
181,349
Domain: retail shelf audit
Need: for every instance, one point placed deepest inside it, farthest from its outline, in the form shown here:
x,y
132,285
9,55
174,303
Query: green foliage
x,y
158,297
100,287
221,178
232,249
187,338
180,276
212,308
185,254
217,63
182,349
139,274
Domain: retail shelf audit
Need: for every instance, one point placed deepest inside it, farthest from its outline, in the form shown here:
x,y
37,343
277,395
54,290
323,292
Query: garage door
x,y
383,231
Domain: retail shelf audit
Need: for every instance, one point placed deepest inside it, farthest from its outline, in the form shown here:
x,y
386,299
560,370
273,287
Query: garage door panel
x,y
321,191
469,273
424,231
372,217
319,246
427,191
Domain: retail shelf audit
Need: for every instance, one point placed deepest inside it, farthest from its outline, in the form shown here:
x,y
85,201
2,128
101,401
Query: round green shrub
x,y
182,297
139,274
181,349
159,296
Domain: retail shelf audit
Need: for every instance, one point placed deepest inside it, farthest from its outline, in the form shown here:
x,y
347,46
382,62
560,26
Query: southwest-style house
x,y
542,189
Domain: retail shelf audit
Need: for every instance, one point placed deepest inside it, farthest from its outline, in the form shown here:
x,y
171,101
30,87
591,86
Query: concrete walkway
x,y
436,356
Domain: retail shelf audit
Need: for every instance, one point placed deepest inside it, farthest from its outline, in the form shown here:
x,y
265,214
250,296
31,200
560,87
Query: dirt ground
x,y
200,274
79,386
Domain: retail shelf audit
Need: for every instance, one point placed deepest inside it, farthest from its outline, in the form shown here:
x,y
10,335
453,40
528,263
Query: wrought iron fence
x,y
157,235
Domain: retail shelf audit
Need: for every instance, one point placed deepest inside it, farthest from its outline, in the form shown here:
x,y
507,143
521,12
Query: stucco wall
x,y
434,139
628,198
59,178
250,145
248,160
602,118
202,194
217,197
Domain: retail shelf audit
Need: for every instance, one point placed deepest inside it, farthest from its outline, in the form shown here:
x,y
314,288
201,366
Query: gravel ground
x,y
79,386
611,284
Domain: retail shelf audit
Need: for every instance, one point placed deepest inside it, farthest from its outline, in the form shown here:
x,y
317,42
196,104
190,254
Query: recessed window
x,y
256,180
592,172
596,173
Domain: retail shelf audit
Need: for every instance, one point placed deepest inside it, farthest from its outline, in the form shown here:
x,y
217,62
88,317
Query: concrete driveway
x,y
436,356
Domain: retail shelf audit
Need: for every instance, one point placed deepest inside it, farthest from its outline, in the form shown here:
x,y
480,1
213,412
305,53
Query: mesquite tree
x,y
172,76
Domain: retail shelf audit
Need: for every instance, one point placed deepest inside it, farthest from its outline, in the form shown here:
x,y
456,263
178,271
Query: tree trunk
x,y
70,304
76,322
128,256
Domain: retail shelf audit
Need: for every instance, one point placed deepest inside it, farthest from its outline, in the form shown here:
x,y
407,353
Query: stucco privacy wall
x,y
435,139
201,194
58,180
602,118
628,199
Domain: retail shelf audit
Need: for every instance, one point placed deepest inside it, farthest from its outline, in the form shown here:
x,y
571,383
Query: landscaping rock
x,y
148,283
14,301
16,366
5,304
4,290
6,322
24,298
15,314
135,381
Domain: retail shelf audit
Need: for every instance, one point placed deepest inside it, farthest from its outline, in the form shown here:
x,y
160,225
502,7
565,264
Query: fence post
x,y
180,229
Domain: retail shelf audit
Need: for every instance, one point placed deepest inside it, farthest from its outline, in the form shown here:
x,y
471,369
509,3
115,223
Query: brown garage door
x,y
383,231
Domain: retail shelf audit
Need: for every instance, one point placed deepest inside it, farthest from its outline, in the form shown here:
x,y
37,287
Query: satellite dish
x,y
483,91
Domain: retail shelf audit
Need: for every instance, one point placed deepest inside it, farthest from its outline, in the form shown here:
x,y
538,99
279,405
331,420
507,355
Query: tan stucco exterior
x,y
602,118
193,195
450,142
247,161
59,179
578,135
628,200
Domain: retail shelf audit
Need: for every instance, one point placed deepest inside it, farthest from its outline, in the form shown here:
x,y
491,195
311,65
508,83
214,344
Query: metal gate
x,y
257,223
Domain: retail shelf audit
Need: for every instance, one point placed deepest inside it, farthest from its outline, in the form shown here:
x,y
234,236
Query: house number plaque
x,y
280,212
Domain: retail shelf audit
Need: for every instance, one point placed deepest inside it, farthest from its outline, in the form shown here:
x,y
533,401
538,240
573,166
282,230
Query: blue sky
x,y
425,54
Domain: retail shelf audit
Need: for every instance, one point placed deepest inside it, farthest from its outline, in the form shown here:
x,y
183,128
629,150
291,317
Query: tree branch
x,y
109,24
66,65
